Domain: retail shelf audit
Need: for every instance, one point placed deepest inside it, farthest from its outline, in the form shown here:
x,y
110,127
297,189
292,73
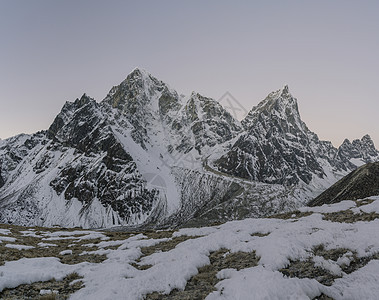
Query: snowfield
x,y
331,251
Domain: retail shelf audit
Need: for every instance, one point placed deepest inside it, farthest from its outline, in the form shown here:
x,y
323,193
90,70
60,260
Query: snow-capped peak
x,y
285,88
135,92
283,93
84,99
141,74
142,77
280,104
139,70
346,142
367,140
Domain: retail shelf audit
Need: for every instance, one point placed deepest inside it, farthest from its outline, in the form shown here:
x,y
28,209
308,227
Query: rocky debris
x,y
359,184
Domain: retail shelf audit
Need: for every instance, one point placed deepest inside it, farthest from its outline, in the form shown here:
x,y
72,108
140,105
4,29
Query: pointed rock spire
x,y
279,104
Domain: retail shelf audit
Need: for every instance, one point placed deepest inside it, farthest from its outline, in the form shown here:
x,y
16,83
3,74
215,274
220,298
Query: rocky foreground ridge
x,y
148,156
361,183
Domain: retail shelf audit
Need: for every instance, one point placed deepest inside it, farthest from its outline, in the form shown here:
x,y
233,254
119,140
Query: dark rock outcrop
x,y
1,179
359,184
275,147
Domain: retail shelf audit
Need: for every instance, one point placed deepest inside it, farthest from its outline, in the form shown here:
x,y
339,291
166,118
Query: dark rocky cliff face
x,y
362,150
102,168
361,183
1,179
205,122
275,147
131,103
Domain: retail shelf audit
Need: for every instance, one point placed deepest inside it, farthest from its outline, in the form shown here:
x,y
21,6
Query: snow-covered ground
x,y
131,271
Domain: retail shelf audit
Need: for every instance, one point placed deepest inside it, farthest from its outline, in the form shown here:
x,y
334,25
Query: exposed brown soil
x,y
32,291
347,216
202,284
291,215
307,268
166,246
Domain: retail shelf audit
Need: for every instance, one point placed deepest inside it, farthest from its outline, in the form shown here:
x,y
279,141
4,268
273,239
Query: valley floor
x,y
327,252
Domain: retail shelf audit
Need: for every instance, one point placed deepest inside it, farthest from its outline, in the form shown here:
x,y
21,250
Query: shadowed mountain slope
x,y
361,183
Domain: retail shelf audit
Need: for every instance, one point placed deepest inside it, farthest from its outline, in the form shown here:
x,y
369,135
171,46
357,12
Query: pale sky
x,y
326,51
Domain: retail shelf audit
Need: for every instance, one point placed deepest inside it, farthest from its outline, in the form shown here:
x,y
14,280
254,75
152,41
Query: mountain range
x,y
148,156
